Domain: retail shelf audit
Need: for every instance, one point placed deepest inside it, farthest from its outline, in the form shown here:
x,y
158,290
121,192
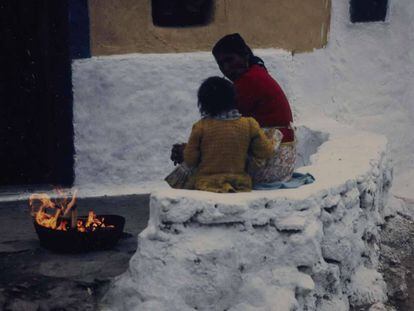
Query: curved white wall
x,y
311,248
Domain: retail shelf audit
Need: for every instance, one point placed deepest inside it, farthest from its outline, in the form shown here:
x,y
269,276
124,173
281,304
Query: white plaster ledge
x,y
314,247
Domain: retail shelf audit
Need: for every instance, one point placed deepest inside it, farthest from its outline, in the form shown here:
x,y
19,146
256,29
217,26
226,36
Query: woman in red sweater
x,y
259,96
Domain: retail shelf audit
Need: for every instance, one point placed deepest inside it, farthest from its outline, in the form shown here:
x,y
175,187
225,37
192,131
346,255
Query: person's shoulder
x,y
199,124
257,70
251,121
260,78
255,76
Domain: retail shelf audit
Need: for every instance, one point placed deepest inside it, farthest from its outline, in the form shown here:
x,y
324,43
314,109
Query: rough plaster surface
x,y
129,109
362,78
125,26
312,248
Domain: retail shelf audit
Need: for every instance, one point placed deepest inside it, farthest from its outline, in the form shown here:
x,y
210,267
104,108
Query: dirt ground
x,y
33,278
397,260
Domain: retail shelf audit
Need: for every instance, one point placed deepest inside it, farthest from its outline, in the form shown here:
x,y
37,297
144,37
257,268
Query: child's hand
x,y
177,153
270,133
275,136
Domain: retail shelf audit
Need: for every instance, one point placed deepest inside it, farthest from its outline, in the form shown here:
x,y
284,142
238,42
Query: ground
x,y
32,278
397,260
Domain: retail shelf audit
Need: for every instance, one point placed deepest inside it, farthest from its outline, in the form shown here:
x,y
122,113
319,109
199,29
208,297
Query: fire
x,y
61,213
92,223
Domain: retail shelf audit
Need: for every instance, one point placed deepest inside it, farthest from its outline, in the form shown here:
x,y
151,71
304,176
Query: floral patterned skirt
x,y
278,168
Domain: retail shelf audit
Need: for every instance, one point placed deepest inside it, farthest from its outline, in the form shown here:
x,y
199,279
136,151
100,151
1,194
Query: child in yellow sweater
x,y
220,142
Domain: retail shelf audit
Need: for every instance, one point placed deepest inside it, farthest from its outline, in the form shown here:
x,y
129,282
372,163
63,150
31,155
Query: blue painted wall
x,y
79,33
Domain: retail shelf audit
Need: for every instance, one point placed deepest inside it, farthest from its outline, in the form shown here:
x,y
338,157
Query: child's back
x,y
219,149
220,142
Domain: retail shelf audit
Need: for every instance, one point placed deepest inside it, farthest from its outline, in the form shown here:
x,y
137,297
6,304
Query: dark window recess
x,y
181,13
368,10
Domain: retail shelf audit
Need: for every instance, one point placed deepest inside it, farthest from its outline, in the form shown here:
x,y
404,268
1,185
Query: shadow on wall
x,y
308,142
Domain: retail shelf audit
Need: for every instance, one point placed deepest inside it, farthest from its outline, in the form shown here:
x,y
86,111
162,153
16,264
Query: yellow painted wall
x,y
125,26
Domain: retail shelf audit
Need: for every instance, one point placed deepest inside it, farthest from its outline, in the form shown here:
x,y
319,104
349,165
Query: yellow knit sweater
x,y
219,148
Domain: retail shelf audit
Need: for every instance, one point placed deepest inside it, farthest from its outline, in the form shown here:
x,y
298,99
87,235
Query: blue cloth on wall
x,y
79,30
297,180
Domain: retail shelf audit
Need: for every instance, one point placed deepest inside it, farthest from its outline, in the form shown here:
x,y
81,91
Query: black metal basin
x,y
73,241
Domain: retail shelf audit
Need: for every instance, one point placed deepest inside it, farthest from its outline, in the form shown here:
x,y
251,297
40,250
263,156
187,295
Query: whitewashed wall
x,y
311,248
129,109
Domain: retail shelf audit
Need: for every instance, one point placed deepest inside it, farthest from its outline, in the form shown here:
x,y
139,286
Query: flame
x,y
92,223
55,214
44,210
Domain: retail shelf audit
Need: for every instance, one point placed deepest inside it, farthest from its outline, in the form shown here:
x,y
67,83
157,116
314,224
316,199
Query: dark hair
x,y
216,95
234,43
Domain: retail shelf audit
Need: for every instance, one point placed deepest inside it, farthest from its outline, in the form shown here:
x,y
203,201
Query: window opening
x,y
368,10
181,13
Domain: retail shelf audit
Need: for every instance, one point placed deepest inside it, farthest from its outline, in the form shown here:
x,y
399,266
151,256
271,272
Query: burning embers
x,y
59,228
61,214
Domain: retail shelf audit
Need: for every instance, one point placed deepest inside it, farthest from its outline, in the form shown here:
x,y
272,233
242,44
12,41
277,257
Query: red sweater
x,y
260,96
